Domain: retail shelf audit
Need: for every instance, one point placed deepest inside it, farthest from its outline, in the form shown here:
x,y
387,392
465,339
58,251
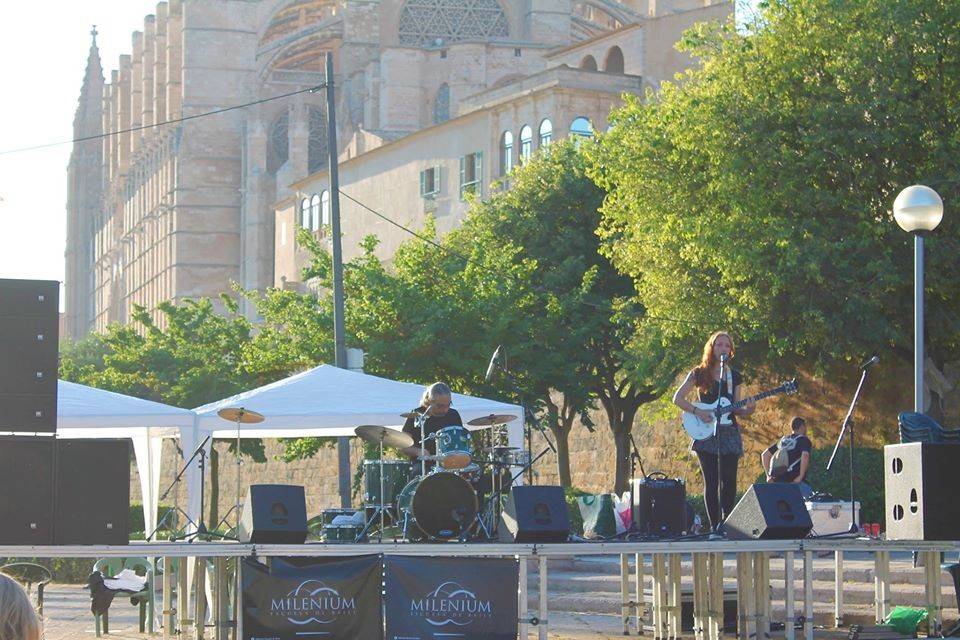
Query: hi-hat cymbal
x,y
418,453
241,415
492,419
390,437
410,414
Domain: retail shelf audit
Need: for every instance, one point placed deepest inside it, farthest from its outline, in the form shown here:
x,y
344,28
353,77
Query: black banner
x,y
451,598
326,598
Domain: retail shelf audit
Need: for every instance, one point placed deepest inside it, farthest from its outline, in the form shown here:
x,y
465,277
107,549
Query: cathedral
x,y
436,102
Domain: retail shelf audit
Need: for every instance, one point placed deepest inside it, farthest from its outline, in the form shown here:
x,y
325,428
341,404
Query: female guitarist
x,y
719,475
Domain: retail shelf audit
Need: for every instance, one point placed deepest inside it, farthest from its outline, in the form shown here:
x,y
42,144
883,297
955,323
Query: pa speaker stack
x,y
919,481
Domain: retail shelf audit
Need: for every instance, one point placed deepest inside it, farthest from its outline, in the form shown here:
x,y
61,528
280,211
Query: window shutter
x,y
436,178
423,182
479,173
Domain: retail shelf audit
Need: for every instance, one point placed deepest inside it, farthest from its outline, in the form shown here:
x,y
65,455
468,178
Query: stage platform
x,y
662,559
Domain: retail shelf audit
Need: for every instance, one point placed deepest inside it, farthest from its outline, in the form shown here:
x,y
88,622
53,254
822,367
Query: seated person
x,y
788,459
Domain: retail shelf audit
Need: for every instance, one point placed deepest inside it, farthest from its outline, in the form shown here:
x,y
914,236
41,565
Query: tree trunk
x,y
621,439
214,488
563,456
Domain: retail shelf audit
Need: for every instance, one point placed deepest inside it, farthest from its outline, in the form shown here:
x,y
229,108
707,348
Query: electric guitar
x,y
700,430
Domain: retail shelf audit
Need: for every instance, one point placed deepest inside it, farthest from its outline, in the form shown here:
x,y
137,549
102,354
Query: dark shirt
x,y
730,441
434,424
794,455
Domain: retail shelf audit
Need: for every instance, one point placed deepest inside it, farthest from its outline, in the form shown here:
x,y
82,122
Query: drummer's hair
x,y
434,391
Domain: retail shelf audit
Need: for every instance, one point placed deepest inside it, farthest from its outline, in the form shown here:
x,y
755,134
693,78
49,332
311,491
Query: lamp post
x,y
918,210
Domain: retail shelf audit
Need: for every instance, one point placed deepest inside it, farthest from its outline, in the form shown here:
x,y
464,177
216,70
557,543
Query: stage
x,y
753,561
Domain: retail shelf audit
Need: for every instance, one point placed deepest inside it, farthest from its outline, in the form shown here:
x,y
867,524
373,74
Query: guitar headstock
x,y
789,387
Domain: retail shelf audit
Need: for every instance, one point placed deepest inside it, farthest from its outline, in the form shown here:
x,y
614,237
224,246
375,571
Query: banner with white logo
x,y
451,598
325,598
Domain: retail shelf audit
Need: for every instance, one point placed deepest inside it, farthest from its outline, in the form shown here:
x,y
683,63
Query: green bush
x,y
868,478
136,519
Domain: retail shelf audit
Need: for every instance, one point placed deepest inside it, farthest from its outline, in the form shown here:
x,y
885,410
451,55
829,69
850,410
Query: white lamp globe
x,y
918,209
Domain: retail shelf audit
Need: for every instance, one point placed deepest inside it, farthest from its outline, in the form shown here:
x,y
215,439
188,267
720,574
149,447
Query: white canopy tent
x,y
328,401
86,412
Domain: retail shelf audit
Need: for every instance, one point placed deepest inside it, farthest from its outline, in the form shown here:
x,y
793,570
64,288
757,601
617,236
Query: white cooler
x,y
831,517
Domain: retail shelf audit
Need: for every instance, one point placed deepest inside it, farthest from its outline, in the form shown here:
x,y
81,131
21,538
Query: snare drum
x,y
396,474
454,448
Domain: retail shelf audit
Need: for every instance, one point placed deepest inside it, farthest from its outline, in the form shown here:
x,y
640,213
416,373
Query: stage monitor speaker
x,y
274,514
93,492
26,497
535,514
919,501
29,328
659,506
772,511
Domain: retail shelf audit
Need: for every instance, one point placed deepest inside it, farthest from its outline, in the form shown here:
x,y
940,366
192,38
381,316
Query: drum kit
x,y
454,497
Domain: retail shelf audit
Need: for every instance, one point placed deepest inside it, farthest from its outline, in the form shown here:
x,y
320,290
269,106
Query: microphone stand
x,y
848,426
716,436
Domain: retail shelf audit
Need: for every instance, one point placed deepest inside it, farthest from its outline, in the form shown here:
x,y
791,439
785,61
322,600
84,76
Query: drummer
x,y
436,402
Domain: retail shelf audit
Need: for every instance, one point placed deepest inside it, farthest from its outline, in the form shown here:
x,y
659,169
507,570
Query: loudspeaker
x,y
29,327
659,505
919,502
93,492
535,514
26,490
274,513
772,511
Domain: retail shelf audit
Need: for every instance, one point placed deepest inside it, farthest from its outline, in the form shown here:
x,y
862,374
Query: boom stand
x,y
848,426
201,454
163,496
716,435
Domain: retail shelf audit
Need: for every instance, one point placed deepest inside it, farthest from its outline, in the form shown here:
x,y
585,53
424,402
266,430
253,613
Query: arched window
x,y
546,132
325,208
305,213
506,153
278,150
614,61
314,212
317,142
581,127
526,143
589,63
441,104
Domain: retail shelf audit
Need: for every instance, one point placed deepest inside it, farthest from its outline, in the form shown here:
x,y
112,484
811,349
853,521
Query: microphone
x,y
872,361
494,361
723,357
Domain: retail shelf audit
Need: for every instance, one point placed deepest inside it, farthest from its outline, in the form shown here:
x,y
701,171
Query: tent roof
x,y
84,412
329,401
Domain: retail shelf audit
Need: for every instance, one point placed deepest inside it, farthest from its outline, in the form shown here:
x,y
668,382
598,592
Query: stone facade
x,y
159,213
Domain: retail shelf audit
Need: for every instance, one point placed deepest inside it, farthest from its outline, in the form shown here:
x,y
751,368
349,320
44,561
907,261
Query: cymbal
x,y
241,415
492,419
418,453
390,437
410,414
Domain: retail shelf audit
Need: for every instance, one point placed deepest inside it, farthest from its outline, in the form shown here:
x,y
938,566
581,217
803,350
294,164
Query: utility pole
x,y
340,349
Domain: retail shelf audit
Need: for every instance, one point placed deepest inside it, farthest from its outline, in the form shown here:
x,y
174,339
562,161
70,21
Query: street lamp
x,y
918,210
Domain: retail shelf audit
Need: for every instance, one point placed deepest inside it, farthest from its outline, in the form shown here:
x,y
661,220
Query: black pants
x,y
727,482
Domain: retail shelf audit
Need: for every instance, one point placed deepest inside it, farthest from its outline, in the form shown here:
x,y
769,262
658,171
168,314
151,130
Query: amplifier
x,y
659,505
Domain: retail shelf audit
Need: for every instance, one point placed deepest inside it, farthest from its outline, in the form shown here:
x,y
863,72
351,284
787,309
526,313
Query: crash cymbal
x,y
390,437
492,419
241,415
410,414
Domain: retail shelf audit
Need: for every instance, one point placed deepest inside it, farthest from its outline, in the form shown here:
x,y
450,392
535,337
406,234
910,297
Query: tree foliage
x,y
756,192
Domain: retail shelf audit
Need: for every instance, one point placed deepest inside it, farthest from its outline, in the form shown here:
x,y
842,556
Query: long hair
x,y
18,620
434,391
703,375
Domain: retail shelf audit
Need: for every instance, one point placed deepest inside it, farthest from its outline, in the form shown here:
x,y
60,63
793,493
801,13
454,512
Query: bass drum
x,y
439,505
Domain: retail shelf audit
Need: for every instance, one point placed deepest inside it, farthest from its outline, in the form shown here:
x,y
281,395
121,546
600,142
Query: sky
x,y
44,48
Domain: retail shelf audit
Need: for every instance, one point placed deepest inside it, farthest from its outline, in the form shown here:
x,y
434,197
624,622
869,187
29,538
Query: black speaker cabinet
x,y
26,490
919,481
772,511
274,514
29,328
93,492
535,514
659,505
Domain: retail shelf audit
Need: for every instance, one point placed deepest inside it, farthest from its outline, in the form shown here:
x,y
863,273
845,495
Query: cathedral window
x,y
546,132
526,143
436,23
506,153
314,222
471,172
278,150
305,213
441,104
614,61
581,127
317,142
589,63
325,208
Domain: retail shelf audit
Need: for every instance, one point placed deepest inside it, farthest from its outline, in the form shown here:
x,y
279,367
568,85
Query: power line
x,y
144,127
467,260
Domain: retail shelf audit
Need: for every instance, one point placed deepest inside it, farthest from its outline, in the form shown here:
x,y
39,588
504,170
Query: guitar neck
x,y
760,396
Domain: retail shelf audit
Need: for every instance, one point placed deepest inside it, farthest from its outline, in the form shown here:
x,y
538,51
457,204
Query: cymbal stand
x,y
236,506
423,441
379,509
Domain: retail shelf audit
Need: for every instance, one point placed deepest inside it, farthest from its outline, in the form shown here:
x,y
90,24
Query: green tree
x,y
756,192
